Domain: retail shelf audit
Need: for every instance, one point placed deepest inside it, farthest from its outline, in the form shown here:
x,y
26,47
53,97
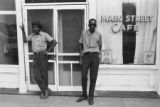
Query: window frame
x,y
11,12
56,3
156,66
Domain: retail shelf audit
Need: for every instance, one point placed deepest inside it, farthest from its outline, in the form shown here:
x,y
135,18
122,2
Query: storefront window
x,y
52,1
8,40
129,30
7,4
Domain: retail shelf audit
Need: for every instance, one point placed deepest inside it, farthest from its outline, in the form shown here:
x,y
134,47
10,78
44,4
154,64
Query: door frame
x,y
55,8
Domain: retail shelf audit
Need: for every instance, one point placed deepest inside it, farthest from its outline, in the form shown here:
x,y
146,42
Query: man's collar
x,y
40,33
88,32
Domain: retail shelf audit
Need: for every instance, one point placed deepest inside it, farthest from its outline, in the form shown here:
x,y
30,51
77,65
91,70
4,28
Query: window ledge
x,y
108,66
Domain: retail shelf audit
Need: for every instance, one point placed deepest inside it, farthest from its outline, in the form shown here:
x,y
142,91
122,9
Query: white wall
x,y
9,77
126,79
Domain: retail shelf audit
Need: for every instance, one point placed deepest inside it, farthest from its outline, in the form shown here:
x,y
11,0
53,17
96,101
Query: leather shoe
x,y
83,97
49,92
44,95
41,95
90,101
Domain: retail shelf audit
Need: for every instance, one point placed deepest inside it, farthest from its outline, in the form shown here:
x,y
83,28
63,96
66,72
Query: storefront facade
x,y
130,52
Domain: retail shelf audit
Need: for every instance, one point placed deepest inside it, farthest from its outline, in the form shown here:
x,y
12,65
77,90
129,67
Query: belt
x,y
89,53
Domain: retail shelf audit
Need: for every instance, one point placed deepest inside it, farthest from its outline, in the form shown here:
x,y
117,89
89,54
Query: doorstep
x,y
114,94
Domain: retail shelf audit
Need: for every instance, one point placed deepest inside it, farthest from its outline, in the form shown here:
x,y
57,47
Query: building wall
x,y
9,77
110,77
126,80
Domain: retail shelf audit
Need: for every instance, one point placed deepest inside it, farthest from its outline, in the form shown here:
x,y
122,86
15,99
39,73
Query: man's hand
x,y
100,57
45,52
80,59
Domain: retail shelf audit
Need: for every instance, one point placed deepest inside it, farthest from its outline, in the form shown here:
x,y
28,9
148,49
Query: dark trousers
x,y
90,61
40,66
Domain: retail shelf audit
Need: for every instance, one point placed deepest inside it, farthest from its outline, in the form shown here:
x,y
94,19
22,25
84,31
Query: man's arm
x,y
23,33
80,52
100,48
80,47
53,44
100,43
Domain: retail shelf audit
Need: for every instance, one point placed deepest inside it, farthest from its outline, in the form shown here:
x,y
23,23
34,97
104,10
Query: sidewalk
x,y
70,101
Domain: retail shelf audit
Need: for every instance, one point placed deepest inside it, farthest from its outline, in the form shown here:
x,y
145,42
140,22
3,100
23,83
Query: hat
x,y
37,23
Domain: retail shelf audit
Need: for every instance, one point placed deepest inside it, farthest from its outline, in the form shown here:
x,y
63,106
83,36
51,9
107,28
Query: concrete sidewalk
x,y
70,101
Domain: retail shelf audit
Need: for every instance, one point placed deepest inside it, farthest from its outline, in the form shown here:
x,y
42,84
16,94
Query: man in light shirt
x,y
90,47
39,42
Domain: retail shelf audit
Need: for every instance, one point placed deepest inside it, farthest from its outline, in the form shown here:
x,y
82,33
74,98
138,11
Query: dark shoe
x,y
44,95
90,101
41,95
49,92
83,97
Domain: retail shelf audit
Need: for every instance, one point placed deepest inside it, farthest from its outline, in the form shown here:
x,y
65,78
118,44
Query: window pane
x,y
52,1
8,40
129,31
64,71
70,26
76,75
7,4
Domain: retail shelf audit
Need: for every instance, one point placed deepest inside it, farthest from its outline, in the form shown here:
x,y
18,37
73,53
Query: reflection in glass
x,y
129,37
7,4
8,40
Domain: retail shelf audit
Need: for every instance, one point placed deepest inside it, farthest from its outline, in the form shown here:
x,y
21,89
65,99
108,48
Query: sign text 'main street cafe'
x,y
129,19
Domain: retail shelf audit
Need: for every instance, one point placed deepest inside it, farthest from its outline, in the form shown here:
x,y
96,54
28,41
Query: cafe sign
x,y
116,27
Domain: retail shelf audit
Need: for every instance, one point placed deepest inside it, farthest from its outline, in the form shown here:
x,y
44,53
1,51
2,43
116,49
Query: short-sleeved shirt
x,y
39,42
91,41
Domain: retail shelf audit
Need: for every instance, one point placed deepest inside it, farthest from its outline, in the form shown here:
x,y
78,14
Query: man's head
x,y
36,27
92,25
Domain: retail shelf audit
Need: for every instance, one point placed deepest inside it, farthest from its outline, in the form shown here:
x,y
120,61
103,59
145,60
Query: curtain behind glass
x,y
147,33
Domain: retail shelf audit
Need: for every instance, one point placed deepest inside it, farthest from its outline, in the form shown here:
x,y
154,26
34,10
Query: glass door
x,y
65,24
46,17
70,24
